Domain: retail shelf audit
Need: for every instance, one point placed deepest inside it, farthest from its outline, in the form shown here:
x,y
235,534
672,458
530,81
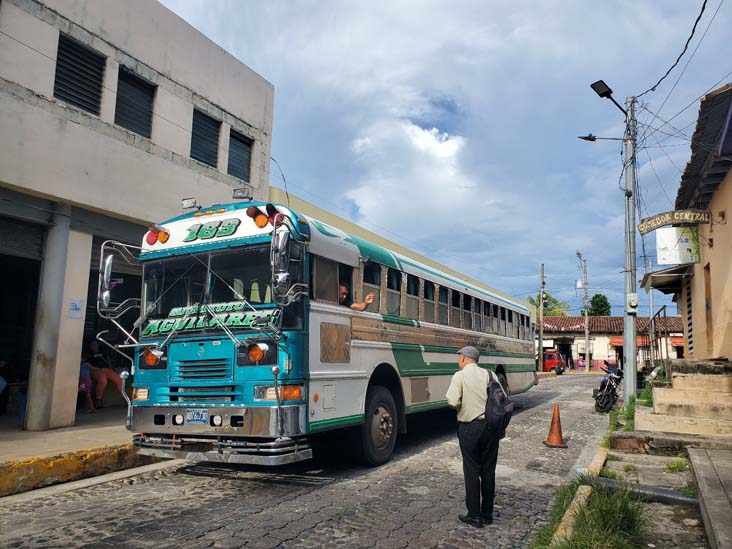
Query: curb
x,y
31,473
566,526
544,375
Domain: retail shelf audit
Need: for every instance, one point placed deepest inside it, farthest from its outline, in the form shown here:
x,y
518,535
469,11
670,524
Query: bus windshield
x,y
179,294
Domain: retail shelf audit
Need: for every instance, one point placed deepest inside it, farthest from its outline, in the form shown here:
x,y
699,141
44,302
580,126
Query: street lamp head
x,y
588,137
602,89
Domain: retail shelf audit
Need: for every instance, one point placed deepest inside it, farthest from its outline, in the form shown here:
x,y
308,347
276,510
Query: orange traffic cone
x,y
555,440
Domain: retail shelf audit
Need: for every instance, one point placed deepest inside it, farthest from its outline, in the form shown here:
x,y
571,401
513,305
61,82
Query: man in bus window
x,y
344,298
478,444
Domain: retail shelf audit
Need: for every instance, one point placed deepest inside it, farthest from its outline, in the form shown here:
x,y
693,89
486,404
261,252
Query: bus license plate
x,y
197,416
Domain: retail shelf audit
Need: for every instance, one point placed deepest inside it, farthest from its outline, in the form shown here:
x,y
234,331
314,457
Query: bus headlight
x,y
140,393
217,421
178,419
287,392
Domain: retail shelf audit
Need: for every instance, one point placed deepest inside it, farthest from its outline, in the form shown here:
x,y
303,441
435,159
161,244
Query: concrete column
x,y
59,326
223,155
108,105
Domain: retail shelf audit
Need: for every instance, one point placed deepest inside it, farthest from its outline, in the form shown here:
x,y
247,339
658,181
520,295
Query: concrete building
x,y
566,334
703,290
110,113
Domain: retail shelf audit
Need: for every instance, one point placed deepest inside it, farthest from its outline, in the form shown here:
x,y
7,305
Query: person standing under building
x,y
102,372
478,443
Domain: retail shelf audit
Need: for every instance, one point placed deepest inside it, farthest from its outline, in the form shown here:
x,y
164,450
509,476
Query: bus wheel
x,y
379,431
504,383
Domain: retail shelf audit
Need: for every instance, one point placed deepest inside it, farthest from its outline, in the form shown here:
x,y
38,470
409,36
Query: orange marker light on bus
x,y
291,392
163,237
256,351
150,358
259,217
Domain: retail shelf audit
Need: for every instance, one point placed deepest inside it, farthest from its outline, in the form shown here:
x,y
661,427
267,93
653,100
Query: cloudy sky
x,y
451,127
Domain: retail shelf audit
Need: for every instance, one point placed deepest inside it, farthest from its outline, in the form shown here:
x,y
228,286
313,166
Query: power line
x,y
688,61
693,30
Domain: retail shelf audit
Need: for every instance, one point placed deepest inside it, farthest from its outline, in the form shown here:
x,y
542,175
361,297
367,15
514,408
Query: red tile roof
x,y
606,324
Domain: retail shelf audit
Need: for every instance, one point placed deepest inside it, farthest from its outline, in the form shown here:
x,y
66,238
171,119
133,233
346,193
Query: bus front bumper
x,y
255,434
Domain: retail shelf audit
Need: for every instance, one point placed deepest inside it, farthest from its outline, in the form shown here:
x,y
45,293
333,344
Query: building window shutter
x,y
79,75
205,139
134,103
240,156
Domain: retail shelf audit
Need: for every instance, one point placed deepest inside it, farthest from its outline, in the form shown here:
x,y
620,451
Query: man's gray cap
x,y
469,352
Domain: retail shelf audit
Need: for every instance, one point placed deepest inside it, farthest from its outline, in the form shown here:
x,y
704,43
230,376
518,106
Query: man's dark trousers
x,y
479,447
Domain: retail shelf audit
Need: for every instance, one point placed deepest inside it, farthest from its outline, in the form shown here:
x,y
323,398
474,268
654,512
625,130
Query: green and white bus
x,y
242,352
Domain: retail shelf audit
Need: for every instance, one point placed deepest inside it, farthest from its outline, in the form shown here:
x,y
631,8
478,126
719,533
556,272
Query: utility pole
x,y
541,321
631,297
583,263
651,321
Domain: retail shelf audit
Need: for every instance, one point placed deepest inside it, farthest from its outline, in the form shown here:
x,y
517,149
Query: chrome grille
x,y
213,368
194,394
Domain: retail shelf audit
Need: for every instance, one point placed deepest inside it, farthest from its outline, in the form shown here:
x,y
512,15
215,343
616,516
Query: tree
x,y
599,305
552,306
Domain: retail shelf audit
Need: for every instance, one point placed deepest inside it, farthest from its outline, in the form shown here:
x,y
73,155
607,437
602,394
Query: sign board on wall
x,y
677,245
678,217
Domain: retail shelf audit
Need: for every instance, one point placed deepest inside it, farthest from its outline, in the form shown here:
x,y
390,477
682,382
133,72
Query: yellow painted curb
x,y
566,526
28,474
598,462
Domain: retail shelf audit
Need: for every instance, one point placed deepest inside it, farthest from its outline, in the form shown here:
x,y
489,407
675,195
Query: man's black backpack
x,y
498,408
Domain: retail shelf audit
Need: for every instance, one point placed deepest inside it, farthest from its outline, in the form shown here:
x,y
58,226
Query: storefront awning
x,y
640,341
668,281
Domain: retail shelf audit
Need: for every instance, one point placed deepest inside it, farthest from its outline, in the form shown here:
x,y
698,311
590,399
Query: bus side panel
x,y
336,372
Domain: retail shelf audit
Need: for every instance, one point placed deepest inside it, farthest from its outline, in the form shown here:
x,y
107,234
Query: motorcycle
x,y
607,394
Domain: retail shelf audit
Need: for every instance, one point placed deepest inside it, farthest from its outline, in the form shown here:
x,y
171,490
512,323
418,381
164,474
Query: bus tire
x,y
379,430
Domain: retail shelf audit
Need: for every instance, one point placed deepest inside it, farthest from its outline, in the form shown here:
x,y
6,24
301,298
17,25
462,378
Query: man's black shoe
x,y
477,522
487,519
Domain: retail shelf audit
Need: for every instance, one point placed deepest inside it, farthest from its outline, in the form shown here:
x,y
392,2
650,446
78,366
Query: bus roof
x,y
335,239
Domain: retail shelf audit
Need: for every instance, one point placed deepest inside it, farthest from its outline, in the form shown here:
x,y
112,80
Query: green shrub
x,y
646,397
677,466
608,473
611,520
564,497
691,490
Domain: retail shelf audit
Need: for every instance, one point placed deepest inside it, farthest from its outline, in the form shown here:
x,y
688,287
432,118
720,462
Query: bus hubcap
x,y
382,426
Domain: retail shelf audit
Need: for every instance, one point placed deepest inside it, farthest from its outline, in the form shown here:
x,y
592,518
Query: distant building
x,y
567,335
703,290
111,112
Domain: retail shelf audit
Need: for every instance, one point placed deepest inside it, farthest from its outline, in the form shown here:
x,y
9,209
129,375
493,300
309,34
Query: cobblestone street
x,y
411,502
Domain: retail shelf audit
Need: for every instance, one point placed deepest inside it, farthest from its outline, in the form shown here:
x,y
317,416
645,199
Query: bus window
x,y
486,317
478,315
502,324
393,292
325,276
455,312
442,307
412,297
512,323
372,283
429,301
467,312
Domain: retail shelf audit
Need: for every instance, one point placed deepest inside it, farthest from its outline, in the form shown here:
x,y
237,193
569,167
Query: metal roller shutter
x,y
205,139
240,156
79,74
134,103
22,239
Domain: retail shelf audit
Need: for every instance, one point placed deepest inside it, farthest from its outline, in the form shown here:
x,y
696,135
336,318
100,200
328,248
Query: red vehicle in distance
x,y
553,362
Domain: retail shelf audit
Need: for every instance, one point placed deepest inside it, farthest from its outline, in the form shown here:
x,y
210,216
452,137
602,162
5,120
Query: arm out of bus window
x,y
366,302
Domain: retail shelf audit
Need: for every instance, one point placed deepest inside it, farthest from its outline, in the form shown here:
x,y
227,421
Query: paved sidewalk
x,y
97,444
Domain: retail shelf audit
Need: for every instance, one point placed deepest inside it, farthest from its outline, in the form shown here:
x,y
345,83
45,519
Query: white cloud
x,y
390,112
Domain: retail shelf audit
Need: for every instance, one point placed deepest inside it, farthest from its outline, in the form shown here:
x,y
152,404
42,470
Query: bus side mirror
x,y
280,259
105,278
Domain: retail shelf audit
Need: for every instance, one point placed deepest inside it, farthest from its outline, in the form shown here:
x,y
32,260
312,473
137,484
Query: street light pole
x,y
631,297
